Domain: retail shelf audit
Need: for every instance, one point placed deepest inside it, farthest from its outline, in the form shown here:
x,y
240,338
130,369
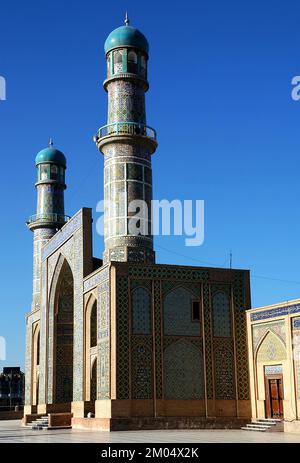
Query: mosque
x,y
123,342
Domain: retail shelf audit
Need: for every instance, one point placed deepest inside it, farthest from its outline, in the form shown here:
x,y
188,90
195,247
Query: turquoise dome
x,y
52,155
126,36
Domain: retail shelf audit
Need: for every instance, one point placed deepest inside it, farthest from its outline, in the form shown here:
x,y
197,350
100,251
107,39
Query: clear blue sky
x,y
220,82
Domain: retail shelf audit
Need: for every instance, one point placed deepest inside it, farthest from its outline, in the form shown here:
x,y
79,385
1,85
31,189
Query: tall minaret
x,y
127,144
50,215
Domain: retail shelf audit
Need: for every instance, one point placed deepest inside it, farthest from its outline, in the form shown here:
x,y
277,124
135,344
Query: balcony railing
x,y
58,218
126,128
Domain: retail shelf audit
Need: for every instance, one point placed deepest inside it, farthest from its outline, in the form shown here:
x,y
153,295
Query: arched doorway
x,y
63,335
35,363
94,381
91,331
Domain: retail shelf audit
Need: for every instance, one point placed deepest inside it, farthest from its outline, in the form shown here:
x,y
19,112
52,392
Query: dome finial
x,y
126,19
50,143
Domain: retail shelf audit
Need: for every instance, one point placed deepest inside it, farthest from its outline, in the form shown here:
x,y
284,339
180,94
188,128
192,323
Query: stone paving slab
x,y
12,431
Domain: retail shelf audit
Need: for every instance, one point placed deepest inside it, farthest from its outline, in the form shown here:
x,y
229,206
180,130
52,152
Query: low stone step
x,y
264,423
252,428
269,420
255,425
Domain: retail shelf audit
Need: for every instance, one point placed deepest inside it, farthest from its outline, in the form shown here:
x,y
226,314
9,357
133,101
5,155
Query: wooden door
x,y
274,397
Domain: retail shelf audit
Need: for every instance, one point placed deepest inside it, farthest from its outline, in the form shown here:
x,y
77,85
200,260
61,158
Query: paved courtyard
x,y
12,431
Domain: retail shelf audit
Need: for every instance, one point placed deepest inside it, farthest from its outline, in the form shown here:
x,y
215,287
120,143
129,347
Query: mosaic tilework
x,y
126,102
71,250
43,336
31,319
276,312
178,313
53,290
208,342
183,371
221,314
62,235
40,238
259,331
64,337
141,367
158,338
167,272
239,301
224,368
96,280
273,369
141,311
103,388
271,349
220,368
50,199
123,338
296,323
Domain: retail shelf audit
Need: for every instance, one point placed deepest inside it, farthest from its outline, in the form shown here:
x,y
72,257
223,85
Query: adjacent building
x,y
11,388
274,362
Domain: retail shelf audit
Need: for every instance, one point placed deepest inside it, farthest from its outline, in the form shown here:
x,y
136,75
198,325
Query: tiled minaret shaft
x,y
127,144
50,214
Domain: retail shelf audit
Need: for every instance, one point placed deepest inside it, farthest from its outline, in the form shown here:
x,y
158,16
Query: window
x,y
108,65
132,62
54,172
62,174
143,66
93,327
118,62
44,171
196,311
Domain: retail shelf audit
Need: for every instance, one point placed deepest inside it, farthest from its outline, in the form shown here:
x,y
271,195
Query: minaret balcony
x,y
40,220
124,130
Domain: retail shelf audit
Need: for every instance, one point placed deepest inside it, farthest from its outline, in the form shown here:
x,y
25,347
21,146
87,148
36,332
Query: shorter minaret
x,y
50,214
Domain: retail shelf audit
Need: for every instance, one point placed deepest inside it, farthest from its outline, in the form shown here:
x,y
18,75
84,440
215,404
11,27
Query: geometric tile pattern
x,y
122,307
271,349
178,313
141,311
183,371
126,102
103,365
221,315
240,331
141,367
259,331
224,368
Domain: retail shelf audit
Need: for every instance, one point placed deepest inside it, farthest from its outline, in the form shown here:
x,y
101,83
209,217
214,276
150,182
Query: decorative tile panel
x,y
183,371
141,311
178,313
224,369
276,312
62,235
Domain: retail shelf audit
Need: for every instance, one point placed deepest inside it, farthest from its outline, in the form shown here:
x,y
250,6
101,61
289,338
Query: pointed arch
x,y
177,310
91,339
35,361
141,310
61,328
270,348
